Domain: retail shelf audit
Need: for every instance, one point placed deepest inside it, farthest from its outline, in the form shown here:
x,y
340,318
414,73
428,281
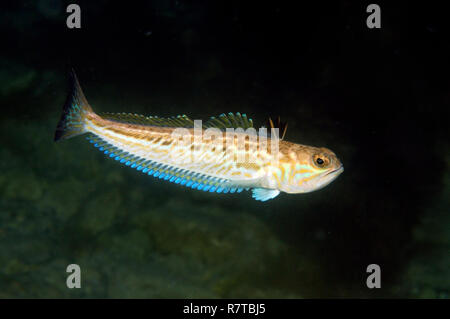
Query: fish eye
x,y
321,161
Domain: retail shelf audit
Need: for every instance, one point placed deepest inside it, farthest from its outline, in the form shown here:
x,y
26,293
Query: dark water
x,y
378,98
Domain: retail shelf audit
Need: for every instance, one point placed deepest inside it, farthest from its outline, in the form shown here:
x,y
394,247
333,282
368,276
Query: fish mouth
x,y
328,177
338,170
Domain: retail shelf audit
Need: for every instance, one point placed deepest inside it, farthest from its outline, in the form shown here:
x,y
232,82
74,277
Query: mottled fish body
x,y
204,157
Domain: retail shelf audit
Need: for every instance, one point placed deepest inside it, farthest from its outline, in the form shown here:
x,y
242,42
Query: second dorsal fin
x,y
229,120
174,121
222,122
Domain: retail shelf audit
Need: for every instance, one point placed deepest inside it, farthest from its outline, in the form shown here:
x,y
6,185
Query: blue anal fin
x,y
206,184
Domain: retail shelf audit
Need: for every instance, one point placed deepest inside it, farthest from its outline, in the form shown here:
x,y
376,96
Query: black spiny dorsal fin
x,y
282,127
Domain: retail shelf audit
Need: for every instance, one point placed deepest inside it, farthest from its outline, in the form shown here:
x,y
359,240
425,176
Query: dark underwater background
x,y
377,97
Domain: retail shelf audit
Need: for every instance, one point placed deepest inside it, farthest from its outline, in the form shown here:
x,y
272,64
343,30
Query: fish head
x,y
310,169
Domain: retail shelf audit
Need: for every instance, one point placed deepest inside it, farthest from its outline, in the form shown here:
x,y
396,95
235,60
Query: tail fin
x,y
72,122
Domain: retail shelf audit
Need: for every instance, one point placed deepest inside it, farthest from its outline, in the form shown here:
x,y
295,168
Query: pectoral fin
x,y
264,194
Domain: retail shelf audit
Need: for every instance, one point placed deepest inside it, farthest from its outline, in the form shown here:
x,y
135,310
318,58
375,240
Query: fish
x,y
223,155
